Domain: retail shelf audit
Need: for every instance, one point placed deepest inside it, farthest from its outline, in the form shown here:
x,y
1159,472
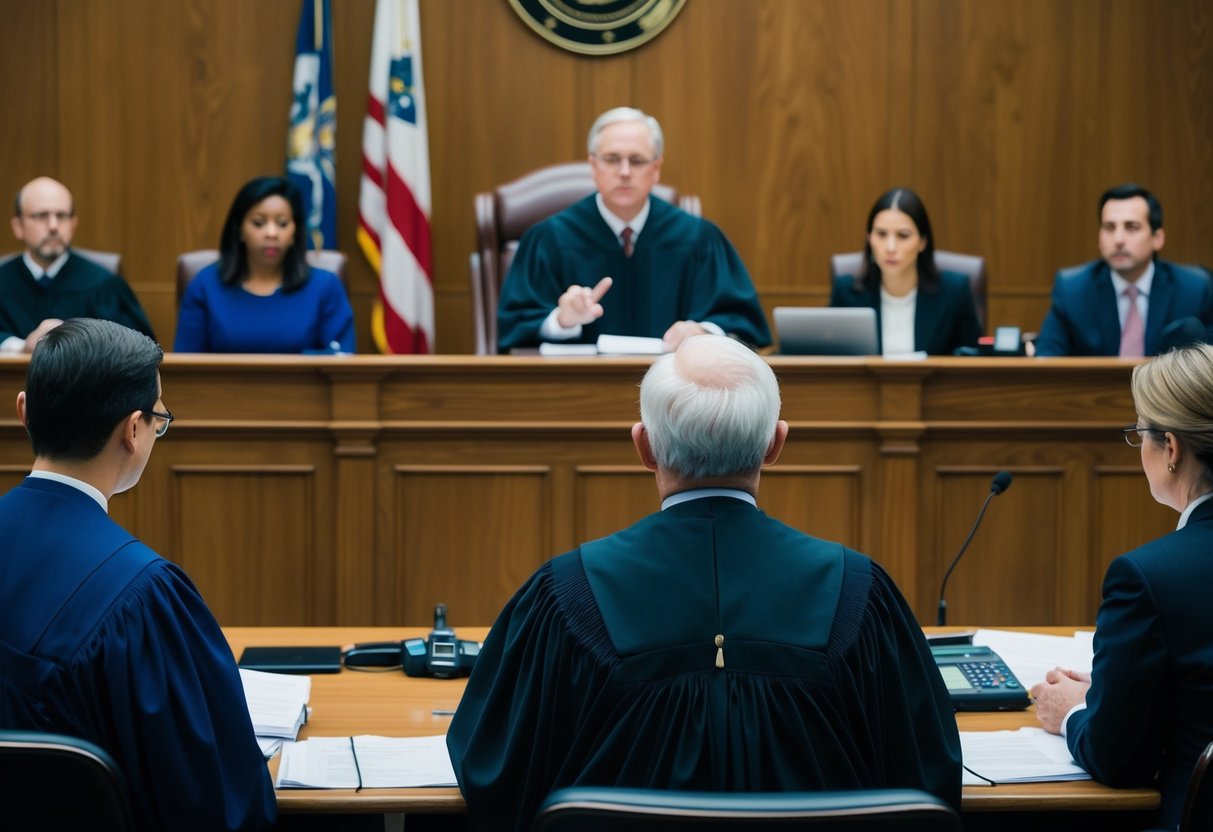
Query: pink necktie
x,y
626,234
1133,334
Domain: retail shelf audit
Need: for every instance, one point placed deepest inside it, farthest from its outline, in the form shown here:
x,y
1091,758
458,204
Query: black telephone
x,y
978,680
439,655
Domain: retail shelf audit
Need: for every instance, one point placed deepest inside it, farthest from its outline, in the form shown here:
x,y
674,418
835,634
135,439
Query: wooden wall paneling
x,y
1122,517
825,501
29,83
1004,169
240,537
1008,576
1170,87
467,536
502,102
610,498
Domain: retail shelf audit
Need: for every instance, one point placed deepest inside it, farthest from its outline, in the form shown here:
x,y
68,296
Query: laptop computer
x,y
826,330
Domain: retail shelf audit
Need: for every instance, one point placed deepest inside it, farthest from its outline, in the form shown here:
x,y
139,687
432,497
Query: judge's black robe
x,y
683,268
81,289
602,670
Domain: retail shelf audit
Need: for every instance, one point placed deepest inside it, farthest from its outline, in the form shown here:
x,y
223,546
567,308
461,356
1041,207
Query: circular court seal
x,y
598,27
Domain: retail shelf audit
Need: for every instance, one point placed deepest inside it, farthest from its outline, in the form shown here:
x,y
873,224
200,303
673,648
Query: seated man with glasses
x,y
48,282
100,637
620,262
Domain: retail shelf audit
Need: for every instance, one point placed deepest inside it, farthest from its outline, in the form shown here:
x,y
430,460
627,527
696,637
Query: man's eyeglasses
x,y
615,161
45,216
166,416
1135,434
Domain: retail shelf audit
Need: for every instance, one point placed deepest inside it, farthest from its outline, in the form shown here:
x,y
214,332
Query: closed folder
x,y
292,659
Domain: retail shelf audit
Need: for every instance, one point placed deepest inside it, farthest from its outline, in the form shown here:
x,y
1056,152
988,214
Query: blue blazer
x,y
1084,320
1150,706
944,319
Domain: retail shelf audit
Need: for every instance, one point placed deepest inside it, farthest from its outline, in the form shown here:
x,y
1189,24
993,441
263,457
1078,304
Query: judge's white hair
x,y
621,114
710,409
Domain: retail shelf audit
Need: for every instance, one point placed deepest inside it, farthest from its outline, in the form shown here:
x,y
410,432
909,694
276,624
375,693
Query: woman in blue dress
x,y
262,296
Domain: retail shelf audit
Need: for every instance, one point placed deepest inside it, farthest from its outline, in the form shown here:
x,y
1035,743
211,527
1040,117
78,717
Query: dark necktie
x,y
43,280
628,247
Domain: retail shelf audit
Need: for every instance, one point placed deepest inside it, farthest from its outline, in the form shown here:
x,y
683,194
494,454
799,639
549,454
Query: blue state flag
x,y
312,139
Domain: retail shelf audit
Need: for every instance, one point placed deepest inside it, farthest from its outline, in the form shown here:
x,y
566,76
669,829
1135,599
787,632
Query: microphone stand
x,y
941,614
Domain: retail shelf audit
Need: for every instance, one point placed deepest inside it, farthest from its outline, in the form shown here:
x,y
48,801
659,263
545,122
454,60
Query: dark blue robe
x,y
682,269
1150,707
602,670
103,639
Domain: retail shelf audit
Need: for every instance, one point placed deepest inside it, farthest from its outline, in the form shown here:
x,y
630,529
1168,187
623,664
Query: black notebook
x,y
292,659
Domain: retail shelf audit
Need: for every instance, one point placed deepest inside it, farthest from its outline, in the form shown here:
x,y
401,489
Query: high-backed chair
x,y
1198,804
970,265
606,809
111,261
189,263
509,210
51,781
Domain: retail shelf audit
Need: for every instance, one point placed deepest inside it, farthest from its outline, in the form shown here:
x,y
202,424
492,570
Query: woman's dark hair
x,y
233,256
84,378
908,203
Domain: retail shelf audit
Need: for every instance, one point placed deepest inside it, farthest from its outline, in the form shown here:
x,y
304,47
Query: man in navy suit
x,y
100,637
1122,304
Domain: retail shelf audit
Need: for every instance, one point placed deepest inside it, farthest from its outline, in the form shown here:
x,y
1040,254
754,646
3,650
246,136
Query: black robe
x,y
602,670
682,269
81,289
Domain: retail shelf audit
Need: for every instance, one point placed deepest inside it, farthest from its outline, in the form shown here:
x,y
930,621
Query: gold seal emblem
x,y
597,27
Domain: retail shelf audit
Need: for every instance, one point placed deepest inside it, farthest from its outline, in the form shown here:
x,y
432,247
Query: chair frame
x,y
1198,804
80,757
569,808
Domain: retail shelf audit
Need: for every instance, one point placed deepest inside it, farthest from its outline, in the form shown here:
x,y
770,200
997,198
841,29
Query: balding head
x,y
45,219
710,409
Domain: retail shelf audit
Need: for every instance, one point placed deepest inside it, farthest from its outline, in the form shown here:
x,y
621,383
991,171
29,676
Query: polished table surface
x,y
390,704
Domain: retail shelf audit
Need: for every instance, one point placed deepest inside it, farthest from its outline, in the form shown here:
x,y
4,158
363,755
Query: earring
x,y
1171,468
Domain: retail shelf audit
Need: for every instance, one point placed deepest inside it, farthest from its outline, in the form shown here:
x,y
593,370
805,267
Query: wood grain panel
x,y
1123,516
824,501
610,498
1009,574
466,537
239,537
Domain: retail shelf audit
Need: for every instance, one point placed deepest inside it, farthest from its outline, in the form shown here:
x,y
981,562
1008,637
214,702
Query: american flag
x,y
394,201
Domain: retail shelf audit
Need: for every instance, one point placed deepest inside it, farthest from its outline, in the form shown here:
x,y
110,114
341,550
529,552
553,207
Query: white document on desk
x,y
277,702
629,345
381,763
1028,755
1031,656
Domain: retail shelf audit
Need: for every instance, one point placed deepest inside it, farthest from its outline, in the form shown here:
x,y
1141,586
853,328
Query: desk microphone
x,y
1000,483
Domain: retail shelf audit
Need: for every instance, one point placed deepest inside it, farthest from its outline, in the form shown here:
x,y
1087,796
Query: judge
x,y
620,262
49,282
708,646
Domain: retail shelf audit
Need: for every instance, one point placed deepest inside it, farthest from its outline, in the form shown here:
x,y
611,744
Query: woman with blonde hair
x,y
1146,707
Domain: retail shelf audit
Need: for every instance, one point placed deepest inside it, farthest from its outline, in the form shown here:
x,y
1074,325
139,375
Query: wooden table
x,y
391,704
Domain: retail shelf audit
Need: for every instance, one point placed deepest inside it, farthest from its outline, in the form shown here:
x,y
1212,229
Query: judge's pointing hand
x,y
579,304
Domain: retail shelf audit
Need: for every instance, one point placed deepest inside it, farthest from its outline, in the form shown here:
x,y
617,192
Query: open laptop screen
x,y
826,330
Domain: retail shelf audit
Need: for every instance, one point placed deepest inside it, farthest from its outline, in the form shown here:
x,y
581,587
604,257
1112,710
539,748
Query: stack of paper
x,y
1030,656
277,705
1028,755
366,761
